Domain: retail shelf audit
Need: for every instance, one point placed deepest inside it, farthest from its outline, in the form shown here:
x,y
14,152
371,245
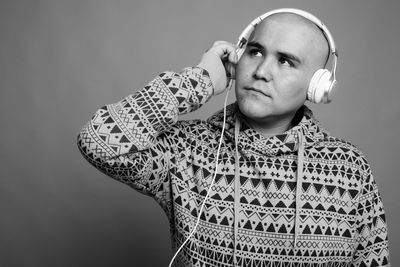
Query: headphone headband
x,y
244,36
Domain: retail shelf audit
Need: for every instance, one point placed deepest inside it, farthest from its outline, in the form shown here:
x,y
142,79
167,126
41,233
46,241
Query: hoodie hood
x,y
284,143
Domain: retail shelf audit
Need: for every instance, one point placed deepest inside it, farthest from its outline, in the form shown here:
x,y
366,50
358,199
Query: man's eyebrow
x,y
283,54
255,44
289,56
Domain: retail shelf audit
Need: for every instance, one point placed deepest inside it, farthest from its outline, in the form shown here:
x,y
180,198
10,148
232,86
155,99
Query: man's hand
x,y
220,60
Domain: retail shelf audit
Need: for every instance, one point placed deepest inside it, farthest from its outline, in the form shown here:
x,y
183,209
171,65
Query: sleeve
x,y
128,141
372,241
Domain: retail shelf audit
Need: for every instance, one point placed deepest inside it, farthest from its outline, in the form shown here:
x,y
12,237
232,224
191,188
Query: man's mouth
x,y
257,90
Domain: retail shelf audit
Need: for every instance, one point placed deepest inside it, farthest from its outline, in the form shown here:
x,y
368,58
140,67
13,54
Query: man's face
x,y
273,74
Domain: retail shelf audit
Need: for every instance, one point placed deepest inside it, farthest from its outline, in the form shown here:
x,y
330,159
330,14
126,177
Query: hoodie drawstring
x,y
300,163
236,191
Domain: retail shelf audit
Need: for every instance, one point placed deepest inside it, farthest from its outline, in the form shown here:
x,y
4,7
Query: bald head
x,y
311,34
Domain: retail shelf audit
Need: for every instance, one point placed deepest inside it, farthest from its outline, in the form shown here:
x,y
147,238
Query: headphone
x,y
321,85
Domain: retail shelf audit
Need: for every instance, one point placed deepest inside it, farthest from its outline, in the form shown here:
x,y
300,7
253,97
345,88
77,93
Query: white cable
x,y
213,179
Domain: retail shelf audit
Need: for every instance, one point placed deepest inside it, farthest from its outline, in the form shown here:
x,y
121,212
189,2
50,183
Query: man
x,y
284,193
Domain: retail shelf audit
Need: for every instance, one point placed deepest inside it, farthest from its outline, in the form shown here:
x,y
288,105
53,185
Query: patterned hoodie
x,y
300,198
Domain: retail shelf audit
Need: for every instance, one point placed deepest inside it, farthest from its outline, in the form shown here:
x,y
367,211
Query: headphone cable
x,y
213,179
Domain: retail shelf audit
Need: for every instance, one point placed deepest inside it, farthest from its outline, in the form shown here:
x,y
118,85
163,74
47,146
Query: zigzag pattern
x,y
138,142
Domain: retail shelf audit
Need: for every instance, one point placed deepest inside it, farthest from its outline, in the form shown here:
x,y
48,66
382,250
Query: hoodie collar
x,y
284,143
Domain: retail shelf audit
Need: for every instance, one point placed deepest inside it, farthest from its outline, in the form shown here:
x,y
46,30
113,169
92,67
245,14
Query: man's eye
x,y
286,62
254,52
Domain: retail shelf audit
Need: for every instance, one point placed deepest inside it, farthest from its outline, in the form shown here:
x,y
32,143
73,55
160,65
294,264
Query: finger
x,y
233,57
220,42
222,50
223,43
229,53
215,45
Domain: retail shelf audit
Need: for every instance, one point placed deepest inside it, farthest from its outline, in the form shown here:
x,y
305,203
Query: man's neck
x,y
273,126
269,129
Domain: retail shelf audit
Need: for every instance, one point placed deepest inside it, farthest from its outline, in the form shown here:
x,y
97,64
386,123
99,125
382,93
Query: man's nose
x,y
264,69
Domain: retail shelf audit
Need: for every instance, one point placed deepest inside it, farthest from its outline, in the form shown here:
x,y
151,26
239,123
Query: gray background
x,y
61,60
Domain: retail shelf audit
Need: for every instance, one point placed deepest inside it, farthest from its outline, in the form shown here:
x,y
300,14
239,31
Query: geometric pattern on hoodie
x,y
140,142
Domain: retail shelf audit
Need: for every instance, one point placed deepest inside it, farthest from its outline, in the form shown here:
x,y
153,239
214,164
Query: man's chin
x,y
253,111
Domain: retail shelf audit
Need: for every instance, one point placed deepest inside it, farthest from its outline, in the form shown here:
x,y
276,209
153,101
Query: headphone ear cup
x,y
319,86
